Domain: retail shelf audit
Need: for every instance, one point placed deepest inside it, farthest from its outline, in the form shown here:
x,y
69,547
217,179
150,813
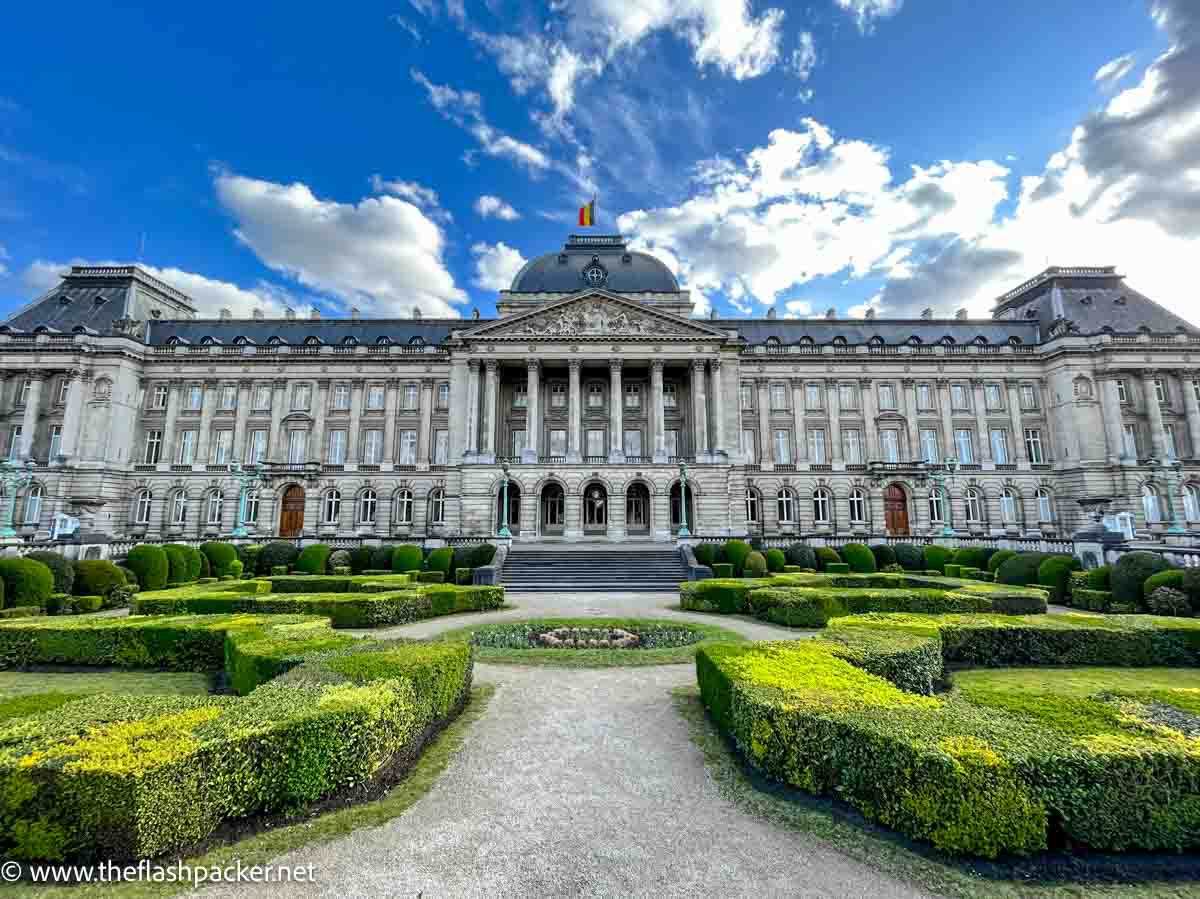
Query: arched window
x,y
937,505
33,504
752,510
312,341
980,341
1014,341
179,509
821,506
786,502
974,503
1045,503
384,341
839,341
206,341
240,341
141,507
914,341
404,507
331,507
1191,502
1151,507
1008,506
875,341
216,502
275,341
417,341
367,501
947,341
858,505
437,506
349,341
172,341
772,342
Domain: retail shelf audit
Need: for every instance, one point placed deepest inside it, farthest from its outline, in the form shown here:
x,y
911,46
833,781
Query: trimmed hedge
x,y
1099,578
936,557
826,556
722,570
999,558
859,557
803,555
884,556
440,560
911,556
705,554
776,560
406,557
381,557
149,563
327,583
313,558
26,583
178,563
1091,600
360,559
431,577
755,565
483,555
1130,574
736,552
220,557
1021,569
973,556
1172,577
62,568
97,577
276,553
1055,573
462,576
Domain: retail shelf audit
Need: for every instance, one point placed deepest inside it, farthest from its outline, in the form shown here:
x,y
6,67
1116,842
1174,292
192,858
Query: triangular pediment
x,y
595,315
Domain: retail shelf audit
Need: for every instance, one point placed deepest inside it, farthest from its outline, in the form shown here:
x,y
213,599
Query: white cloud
x,y
397,19
797,309
417,194
804,57
3,256
866,12
496,265
383,254
1113,71
487,206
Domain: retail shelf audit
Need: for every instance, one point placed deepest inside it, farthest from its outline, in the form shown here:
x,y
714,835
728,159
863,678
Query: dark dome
x,y
600,261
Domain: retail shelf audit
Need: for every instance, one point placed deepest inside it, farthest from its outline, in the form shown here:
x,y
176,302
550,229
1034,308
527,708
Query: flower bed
x,y
853,716
129,776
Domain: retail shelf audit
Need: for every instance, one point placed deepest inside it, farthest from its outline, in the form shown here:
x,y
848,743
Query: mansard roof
x,y
431,331
623,270
892,331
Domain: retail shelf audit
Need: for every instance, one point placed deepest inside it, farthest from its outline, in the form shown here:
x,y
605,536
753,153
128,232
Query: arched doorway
x,y
514,508
291,511
551,510
677,507
637,510
895,510
595,509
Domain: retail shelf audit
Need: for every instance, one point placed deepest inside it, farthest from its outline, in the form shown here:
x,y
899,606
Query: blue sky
x,y
841,153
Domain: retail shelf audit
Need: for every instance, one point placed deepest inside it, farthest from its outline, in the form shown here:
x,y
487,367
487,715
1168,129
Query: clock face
x,y
594,275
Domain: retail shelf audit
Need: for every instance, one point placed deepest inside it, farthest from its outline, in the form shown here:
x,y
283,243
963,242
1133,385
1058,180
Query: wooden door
x,y
291,515
895,511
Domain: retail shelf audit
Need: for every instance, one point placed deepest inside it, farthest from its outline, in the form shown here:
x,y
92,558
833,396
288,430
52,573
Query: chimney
x,y
416,312
961,315
315,314
927,314
870,314
475,314
712,314
289,313
225,315
831,312
355,313
257,315
771,312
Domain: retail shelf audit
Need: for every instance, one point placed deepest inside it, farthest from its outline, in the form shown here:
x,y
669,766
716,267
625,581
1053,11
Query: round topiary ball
x,y
775,559
61,567
911,556
755,565
97,577
1130,573
219,556
859,557
803,555
26,583
884,555
407,557
276,553
736,552
149,563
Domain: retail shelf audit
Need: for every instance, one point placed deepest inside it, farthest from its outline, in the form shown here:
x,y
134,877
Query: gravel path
x,y
579,783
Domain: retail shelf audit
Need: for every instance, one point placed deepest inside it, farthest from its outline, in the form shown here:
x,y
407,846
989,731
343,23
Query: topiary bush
x,y
775,560
884,556
705,554
205,569
483,555
999,558
1130,573
339,558
219,555
313,558
826,556
197,563
1172,577
936,557
440,560
802,554
130,578
859,557
837,568
248,554
277,553
431,577
755,565
1055,573
61,567
911,556
26,583
381,557
178,563
462,576
150,564
1169,601
722,570
406,557
97,577
1022,568
1099,578
360,559
735,553
973,556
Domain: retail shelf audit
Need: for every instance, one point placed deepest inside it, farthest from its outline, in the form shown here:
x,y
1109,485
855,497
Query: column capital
x,y
323,383
575,365
426,383
279,384
715,364
211,383
245,384
36,374
656,365
698,365
908,383
533,366
614,366
797,383
865,383
976,383
474,364
493,365
762,381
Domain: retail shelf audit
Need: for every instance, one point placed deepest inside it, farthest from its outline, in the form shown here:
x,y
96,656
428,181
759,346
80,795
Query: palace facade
x,y
584,400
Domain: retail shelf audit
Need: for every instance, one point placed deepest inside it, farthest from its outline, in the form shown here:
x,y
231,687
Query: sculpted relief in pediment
x,y
595,318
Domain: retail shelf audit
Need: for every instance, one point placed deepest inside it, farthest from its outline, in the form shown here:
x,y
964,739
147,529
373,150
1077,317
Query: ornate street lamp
x,y
13,475
248,477
683,527
939,480
504,531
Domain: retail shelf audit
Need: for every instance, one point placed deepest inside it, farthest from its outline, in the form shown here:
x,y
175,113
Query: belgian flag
x,y
587,214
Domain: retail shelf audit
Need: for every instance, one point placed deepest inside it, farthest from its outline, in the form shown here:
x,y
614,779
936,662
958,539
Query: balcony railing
x,y
595,460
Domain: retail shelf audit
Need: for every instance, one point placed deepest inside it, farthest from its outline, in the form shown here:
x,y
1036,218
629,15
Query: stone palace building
x,y
587,394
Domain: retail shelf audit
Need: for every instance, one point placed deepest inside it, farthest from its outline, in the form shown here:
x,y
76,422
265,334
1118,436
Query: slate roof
x,y
627,271
93,306
893,331
294,331
1094,302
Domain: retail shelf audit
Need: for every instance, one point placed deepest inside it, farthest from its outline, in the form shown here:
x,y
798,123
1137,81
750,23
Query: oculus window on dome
x,y
594,275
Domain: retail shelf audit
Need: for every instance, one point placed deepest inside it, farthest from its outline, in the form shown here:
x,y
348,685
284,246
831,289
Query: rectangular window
x,y
517,440
14,441
520,395
1196,390
1160,390
410,397
55,441
595,443
746,392
262,397
26,387
852,446
372,446
1129,440
195,397
816,446
812,397
889,444
958,397
187,448
1033,446
992,396
778,396
924,397
671,442
443,395
847,396
633,398
966,450
222,446
1122,391
595,394
633,443
301,396
64,390
1000,446
783,447
408,448
887,396
256,447
670,397
929,445
297,447
558,396
558,442
1169,438
341,397
749,445
1028,397
375,395
228,397
441,447
159,397
335,452
153,450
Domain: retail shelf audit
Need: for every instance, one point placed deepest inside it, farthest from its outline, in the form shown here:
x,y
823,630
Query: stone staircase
x,y
573,568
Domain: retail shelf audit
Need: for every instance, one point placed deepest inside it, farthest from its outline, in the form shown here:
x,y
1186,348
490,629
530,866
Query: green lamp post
x,y
13,475
248,477
683,524
939,479
504,531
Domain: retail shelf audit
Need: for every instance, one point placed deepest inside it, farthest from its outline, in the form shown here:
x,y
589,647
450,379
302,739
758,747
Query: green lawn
x,y
1079,681
20,683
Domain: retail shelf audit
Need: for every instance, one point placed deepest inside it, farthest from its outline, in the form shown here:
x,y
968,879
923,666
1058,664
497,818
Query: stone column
x,y
1192,407
30,419
981,422
490,404
424,437
766,445
800,438
73,415
169,425
866,390
834,408
912,415
574,412
699,413
211,390
1110,406
318,429
1154,413
658,417
943,390
391,401
472,407
1014,414
277,450
718,408
616,411
352,438
533,411
238,450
